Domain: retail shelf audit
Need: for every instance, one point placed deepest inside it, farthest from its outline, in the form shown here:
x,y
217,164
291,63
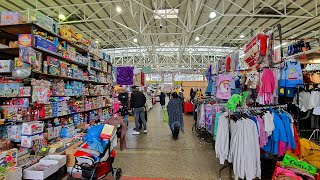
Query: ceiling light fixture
x,y
96,41
241,36
62,17
212,14
135,40
118,9
197,38
280,45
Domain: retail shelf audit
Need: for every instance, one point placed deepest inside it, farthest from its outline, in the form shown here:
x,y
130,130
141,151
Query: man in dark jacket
x,y
137,102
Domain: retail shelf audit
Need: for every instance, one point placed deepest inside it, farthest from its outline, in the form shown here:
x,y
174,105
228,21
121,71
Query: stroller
x,y
97,169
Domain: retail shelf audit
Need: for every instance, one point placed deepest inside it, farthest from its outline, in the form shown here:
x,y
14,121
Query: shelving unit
x,y
306,57
11,33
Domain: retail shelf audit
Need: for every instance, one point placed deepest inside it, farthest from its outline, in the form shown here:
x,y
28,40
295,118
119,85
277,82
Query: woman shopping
x,y
175,113
162,99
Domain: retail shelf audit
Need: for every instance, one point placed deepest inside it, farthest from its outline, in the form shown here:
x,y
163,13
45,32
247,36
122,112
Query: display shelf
x,y
71,114
307,55
10,51
96,69
14,96
84,95
71,79
52,54
16,29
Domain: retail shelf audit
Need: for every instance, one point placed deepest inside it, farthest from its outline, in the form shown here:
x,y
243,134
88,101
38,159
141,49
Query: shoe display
x,y
135,133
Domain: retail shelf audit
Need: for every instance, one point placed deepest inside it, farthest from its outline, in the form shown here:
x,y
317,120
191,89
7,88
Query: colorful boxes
x,y
27,55
27,141
24,40
6,65
14,133
10,17
8,158
45,44
54,66
32,128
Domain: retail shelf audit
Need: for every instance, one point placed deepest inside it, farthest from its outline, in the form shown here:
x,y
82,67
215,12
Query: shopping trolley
x,y
97,169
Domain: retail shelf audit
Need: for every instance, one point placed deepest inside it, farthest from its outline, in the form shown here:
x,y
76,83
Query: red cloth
x,y
263,43
296,151
81,153
228,61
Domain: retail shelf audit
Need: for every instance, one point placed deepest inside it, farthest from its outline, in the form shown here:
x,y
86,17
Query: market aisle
x,y
156,155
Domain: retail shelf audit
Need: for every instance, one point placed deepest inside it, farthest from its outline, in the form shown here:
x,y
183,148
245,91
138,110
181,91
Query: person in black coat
x,y
162,99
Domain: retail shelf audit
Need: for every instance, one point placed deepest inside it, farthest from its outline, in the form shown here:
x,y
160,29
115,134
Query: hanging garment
x,y
208,117
223,86
291,74
222,139
267,86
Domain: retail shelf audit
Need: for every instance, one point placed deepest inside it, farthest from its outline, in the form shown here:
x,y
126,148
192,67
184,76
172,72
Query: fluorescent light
x,y
241,36
62,17
96,41
118,9
197,38
280,45
135,40
212,14
166,13
182,66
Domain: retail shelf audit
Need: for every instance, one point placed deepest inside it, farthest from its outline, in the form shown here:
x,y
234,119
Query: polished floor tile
x,y
157,155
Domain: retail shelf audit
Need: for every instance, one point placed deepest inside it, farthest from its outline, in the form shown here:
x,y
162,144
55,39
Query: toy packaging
x,y
24,40
45,44
14,133
27,141
27,55
8,158
54,65
71,52
32,128
37,64
43,21
41,94
64,68
6,65
10,17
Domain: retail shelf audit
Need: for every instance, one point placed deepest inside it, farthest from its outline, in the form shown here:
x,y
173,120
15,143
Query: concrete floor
x,y
156,155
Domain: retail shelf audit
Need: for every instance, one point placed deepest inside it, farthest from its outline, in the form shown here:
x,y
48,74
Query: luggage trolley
x,y
97,169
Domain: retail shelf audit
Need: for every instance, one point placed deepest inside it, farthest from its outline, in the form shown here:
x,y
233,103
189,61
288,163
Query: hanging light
x,y
197,38
212,14
118,9
62,17
135,40
241,36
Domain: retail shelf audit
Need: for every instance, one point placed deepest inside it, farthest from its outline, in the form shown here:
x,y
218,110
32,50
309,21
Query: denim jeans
x,y
126,117
139,113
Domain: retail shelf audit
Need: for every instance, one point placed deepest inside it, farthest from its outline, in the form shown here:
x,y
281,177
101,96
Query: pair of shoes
x,y
145,131
135,132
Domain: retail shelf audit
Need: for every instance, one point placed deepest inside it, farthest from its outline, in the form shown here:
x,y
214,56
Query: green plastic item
x,y
292,161
233,102
243,98
165,117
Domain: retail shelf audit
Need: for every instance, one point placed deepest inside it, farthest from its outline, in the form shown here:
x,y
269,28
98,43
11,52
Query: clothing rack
x,y
229,119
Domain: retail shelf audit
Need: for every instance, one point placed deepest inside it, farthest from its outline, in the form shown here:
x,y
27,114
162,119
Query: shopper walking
x,y
137,102
124,99
175,113
162,99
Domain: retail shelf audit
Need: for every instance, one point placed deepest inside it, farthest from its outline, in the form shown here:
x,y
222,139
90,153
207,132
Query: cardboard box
x,y
27,54
32,173
45,44
6,65
10,17
27,141
57,131
32,128
24,40
62,159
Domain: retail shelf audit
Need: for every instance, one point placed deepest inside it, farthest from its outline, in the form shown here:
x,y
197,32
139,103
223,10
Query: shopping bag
x,y
165,116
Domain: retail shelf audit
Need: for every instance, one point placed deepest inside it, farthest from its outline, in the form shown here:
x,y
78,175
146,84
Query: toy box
x,y
54,65
10,89
57,131
37,64
50,133
25,91
10,17
8,158
14,133
26,141
24,40
40,94
45,44
27,55
71,52
6,65
32,128
64,68
43,21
